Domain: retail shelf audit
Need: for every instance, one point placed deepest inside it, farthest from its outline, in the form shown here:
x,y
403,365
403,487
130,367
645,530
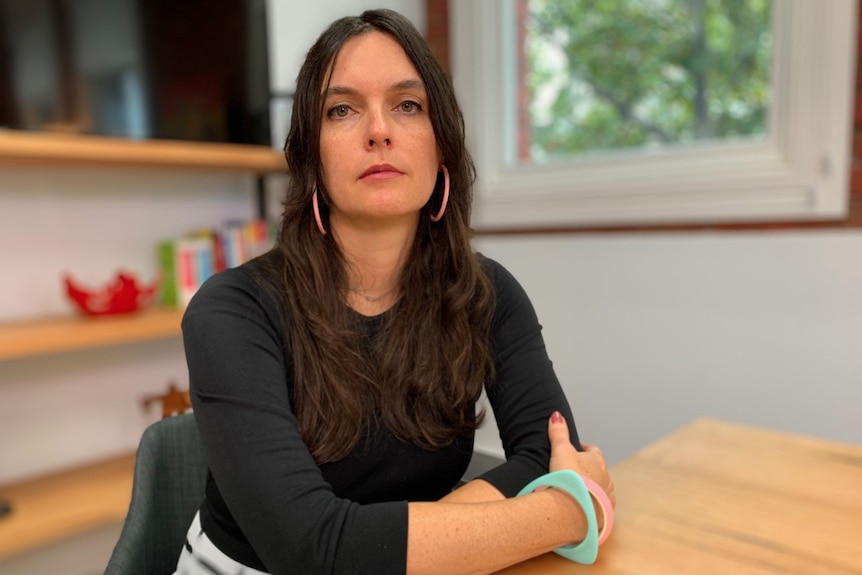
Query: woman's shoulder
x,y
253,283
512,303
500,276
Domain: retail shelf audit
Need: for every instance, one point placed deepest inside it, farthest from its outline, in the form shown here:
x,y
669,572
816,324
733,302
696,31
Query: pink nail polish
x,y
556,417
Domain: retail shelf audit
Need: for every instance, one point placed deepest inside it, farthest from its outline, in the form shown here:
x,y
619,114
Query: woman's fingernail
x,y
556,417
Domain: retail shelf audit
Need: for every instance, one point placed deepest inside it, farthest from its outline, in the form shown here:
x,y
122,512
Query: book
x,y
186,262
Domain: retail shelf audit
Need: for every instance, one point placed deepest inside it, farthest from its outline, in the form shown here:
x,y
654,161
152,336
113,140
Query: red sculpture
x,y
121,295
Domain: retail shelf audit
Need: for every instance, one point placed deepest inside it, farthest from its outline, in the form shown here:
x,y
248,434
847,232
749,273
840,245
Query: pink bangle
x,y
604,504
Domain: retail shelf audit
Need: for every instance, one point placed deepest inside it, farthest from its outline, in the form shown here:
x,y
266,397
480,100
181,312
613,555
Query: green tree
x,y
606,74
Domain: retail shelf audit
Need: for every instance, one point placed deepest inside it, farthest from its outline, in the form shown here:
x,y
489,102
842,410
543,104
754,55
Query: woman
x,y
335,379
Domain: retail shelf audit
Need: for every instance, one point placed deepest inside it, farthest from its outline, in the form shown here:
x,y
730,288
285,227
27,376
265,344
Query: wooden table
x,y
722,498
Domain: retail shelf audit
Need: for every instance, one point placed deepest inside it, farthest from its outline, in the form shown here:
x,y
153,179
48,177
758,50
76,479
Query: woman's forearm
x,y
479,538
475,491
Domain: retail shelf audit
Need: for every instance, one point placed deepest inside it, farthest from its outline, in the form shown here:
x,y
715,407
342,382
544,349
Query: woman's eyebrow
x,y
409,84
339,91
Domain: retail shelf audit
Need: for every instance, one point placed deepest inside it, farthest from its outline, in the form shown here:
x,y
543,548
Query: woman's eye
x,y
340,111
410,107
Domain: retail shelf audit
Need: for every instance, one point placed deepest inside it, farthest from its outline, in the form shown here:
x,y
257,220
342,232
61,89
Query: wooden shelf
x,y
29,148
50,508
45,336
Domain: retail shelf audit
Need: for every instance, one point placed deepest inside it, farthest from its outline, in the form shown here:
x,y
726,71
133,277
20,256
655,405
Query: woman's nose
x,y
379,130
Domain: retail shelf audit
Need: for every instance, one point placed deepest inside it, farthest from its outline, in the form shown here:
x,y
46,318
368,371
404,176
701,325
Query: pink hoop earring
x,y
439,215
317,212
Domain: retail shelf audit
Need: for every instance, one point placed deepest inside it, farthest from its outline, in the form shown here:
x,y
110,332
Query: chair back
x,y
168,488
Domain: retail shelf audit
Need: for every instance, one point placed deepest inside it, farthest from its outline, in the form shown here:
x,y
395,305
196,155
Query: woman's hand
x,y
590,462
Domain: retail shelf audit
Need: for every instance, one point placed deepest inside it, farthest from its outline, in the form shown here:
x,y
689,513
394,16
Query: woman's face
x,y
377,146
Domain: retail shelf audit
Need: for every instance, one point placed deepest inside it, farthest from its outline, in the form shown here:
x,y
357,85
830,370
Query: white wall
x,y
648,331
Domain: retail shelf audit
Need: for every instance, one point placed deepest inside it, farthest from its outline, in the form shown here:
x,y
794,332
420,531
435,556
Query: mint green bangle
x,y
587,550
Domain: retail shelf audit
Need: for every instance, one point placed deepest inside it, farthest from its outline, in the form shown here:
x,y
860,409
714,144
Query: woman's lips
x,y
380,172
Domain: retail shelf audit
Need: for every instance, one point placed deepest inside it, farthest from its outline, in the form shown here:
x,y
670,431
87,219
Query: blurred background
x,y
743,304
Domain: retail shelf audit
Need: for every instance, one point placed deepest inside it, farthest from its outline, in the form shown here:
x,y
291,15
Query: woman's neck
x,y
375,259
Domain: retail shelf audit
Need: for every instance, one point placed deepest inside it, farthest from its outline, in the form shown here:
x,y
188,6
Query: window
x,y
583,113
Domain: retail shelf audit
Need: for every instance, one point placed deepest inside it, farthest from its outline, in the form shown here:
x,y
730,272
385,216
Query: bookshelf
x,y
76,333
50,508
17,148
54,149
57,506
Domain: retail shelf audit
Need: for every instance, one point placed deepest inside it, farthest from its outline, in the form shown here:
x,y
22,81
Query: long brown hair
x,y
426,368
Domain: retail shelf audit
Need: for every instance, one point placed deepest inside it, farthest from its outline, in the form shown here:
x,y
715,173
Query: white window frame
x,y
799,172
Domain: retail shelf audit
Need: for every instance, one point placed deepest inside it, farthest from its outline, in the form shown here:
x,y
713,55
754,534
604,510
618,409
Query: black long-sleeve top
x,y
268,504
